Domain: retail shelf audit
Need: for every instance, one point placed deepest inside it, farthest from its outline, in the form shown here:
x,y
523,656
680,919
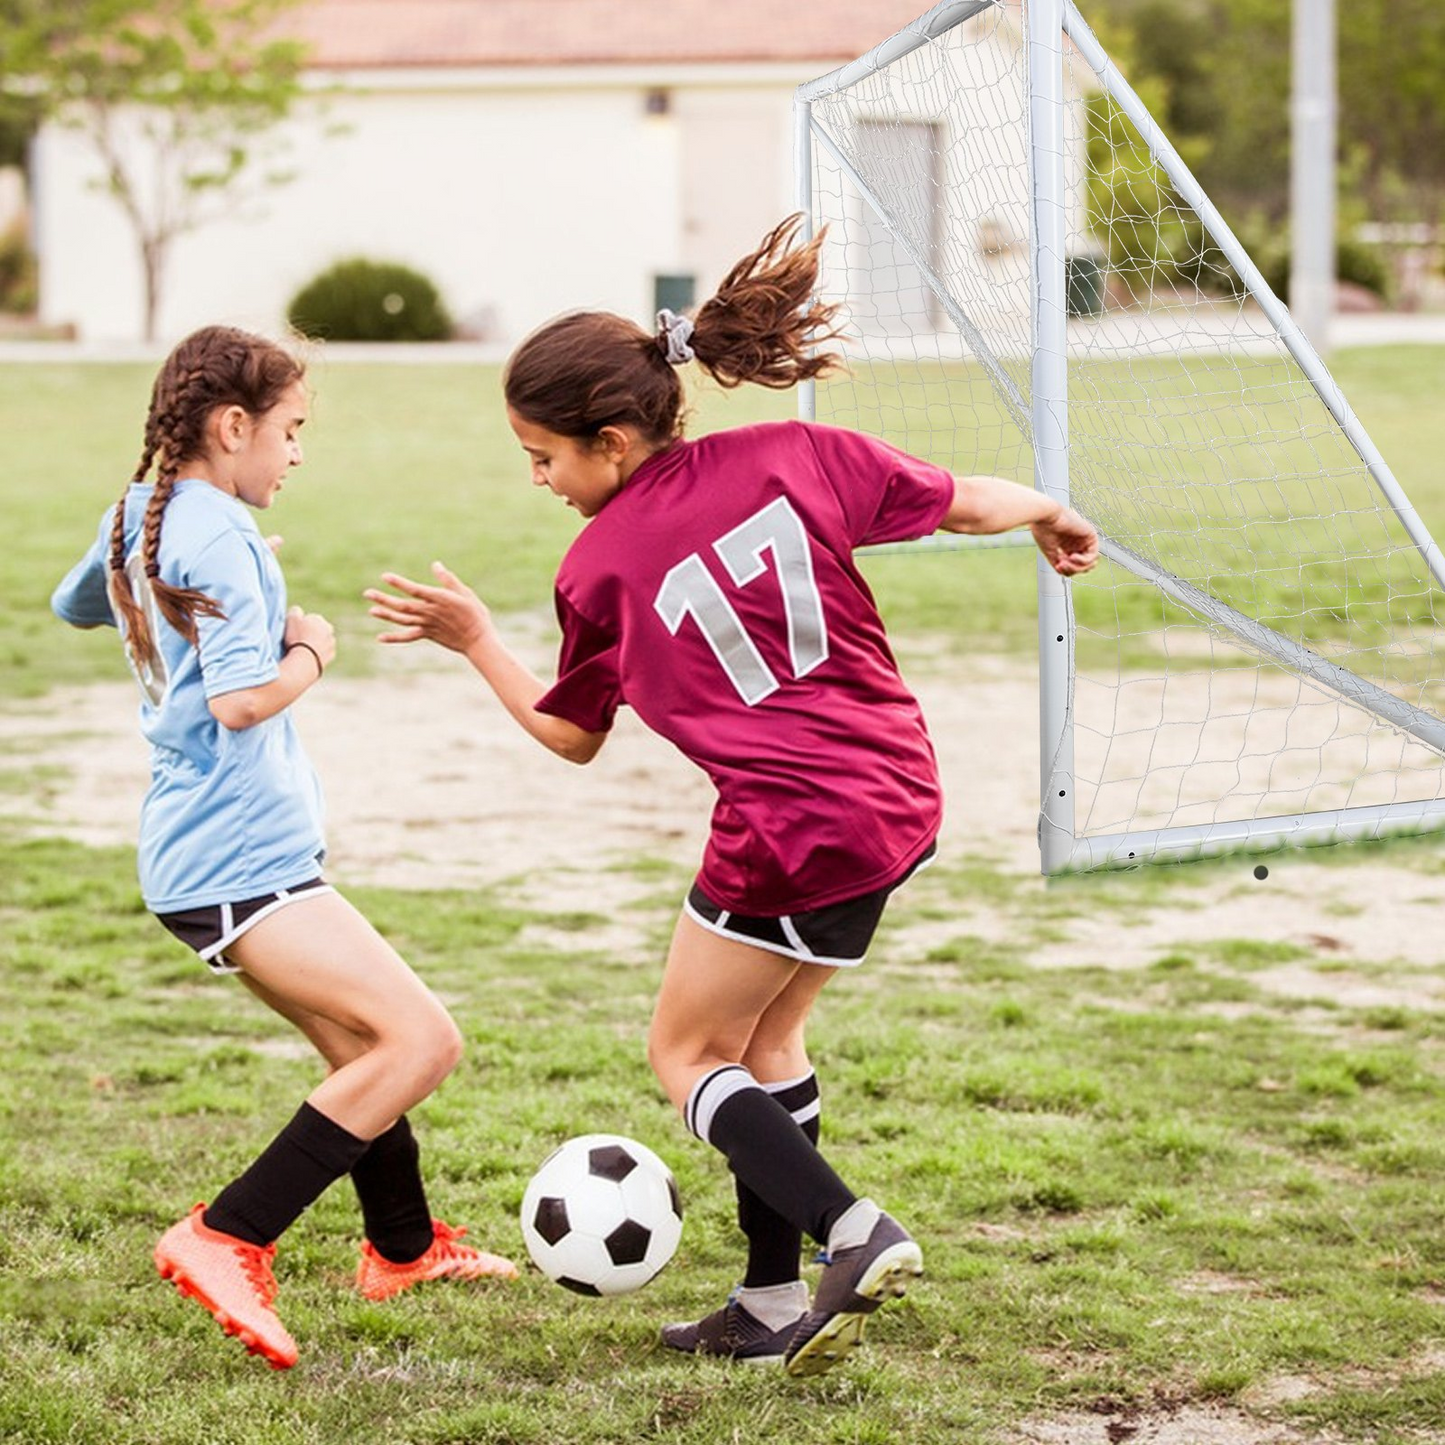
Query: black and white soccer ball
x,y
601,1215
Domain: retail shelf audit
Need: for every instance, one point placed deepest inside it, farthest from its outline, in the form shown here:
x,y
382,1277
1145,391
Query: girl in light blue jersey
x,y
231,833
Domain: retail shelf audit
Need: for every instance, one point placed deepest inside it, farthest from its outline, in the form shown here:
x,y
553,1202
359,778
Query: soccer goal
x,y
1035,285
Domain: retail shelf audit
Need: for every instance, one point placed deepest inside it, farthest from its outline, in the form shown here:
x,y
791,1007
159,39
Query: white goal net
x,y
1021,255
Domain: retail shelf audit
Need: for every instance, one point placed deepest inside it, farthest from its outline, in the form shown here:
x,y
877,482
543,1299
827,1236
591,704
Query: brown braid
x,y
214,367
591,369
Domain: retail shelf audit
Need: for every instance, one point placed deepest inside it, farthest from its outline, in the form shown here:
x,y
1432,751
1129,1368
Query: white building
x,y
528,155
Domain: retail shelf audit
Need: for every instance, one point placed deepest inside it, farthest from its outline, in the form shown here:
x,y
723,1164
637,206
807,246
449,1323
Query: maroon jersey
x,y
716,594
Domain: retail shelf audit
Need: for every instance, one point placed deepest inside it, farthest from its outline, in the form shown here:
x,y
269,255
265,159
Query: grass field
x,y
1138,1191
408,463
1133,1191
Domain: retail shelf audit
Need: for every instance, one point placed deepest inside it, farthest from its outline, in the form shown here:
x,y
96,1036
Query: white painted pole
x,y
1312,170
1050,385
803,194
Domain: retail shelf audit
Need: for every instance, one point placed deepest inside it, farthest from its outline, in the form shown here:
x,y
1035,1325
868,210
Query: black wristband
x,y
292,646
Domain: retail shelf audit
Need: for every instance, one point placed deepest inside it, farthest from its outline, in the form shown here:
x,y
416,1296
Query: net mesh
x,y
1197,445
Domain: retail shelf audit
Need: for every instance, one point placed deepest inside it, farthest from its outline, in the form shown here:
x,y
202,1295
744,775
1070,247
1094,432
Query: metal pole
x,y
803,195
1257,835
1312,170
1003,384
1418,722
929,26
1045,40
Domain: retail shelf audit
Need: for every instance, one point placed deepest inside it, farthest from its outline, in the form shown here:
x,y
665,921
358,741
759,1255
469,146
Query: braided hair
x,y
592,369
216,366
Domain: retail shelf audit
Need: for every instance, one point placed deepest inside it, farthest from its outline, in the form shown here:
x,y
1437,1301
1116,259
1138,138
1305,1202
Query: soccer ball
x,y
602,1215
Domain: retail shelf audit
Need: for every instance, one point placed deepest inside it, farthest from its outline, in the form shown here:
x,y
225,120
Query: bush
x,y
1354,261
18,293
360,300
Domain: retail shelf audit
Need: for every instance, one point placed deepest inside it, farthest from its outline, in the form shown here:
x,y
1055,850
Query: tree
x,y
1224,66
179,99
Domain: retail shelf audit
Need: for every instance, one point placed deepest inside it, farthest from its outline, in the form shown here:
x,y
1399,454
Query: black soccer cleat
x,y
854,1283
731,1333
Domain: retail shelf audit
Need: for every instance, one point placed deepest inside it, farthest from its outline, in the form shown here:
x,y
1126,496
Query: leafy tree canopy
x,y
1225,71
174,97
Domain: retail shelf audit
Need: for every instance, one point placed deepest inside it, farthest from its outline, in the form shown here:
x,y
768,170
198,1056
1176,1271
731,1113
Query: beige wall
x,y
520,195
736,181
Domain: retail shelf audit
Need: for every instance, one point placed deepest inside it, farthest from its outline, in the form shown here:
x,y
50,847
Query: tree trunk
x,y
153,256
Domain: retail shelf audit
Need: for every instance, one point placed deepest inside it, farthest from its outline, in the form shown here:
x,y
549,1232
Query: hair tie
x,y
153,569
674,337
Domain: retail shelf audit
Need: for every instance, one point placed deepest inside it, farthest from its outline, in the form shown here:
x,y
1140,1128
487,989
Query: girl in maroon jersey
x,y
713,590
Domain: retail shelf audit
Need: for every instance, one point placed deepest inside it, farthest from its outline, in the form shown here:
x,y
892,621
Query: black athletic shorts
x,y
212,930
837,935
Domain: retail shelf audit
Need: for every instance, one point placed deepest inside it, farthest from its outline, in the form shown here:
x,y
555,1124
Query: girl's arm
x,y
81,599
454,617
983,506
307,649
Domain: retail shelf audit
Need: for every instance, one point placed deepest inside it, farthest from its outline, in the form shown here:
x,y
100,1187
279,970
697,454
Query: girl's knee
x,y
776,1063
674,1067
445,1046
428,1051
658,1054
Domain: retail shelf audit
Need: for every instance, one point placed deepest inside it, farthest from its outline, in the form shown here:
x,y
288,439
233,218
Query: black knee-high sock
x,y
767,1150
309,1154
774,1245
393,1199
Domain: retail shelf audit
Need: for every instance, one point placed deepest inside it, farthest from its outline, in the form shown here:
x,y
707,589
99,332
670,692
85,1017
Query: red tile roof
x,y
356,34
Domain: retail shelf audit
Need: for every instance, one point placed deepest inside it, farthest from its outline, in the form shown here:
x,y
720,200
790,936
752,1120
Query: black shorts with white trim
x,y
837,935
213,929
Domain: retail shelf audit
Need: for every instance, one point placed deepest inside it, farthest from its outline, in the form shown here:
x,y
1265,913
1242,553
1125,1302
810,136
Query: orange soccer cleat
x,y
232,1279
378,1278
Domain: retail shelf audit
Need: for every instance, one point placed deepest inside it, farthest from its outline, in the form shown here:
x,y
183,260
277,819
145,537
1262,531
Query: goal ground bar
x,y
1255,835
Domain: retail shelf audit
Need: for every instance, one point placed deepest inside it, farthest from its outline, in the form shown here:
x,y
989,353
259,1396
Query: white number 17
x,y
690,590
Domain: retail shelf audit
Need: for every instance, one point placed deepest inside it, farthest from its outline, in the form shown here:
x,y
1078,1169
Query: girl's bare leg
x,y
319,963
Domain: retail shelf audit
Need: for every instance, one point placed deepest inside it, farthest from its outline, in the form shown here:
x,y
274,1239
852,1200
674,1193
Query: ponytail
x,y
763,319
592,369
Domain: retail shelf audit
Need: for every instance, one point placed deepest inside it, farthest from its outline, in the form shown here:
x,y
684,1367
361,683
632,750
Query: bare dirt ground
x,y
430,784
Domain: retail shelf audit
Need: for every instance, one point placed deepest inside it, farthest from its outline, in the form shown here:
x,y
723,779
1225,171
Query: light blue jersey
x,y
228,815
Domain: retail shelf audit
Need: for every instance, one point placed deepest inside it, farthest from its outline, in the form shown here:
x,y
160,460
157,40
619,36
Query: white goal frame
x,y
1045,422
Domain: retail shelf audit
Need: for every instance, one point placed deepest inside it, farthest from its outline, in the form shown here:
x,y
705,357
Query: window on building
x,y
674,293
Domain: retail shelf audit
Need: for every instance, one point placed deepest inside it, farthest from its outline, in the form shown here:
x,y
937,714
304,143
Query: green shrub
x,y
1354,261
360,300
18,292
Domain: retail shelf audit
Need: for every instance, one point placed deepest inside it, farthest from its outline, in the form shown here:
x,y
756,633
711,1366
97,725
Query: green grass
x,y
1213,468
1130,1188
405,464
1135,1188
409,463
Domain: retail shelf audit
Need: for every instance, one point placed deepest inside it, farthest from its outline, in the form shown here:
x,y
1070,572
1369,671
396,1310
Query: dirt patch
x,y
430,784
1197,1425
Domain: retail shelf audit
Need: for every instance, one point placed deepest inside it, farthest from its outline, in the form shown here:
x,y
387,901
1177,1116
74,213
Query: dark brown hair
x,y
216,366
592,369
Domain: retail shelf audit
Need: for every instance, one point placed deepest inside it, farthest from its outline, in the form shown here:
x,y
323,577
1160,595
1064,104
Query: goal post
x,y
1033,283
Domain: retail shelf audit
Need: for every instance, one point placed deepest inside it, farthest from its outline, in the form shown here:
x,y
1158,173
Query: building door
x,y
902,167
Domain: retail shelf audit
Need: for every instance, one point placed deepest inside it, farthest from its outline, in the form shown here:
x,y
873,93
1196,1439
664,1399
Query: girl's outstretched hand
x,y
449,614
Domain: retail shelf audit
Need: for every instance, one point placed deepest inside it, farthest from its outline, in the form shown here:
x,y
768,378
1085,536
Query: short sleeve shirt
x,y
229,815
716,594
